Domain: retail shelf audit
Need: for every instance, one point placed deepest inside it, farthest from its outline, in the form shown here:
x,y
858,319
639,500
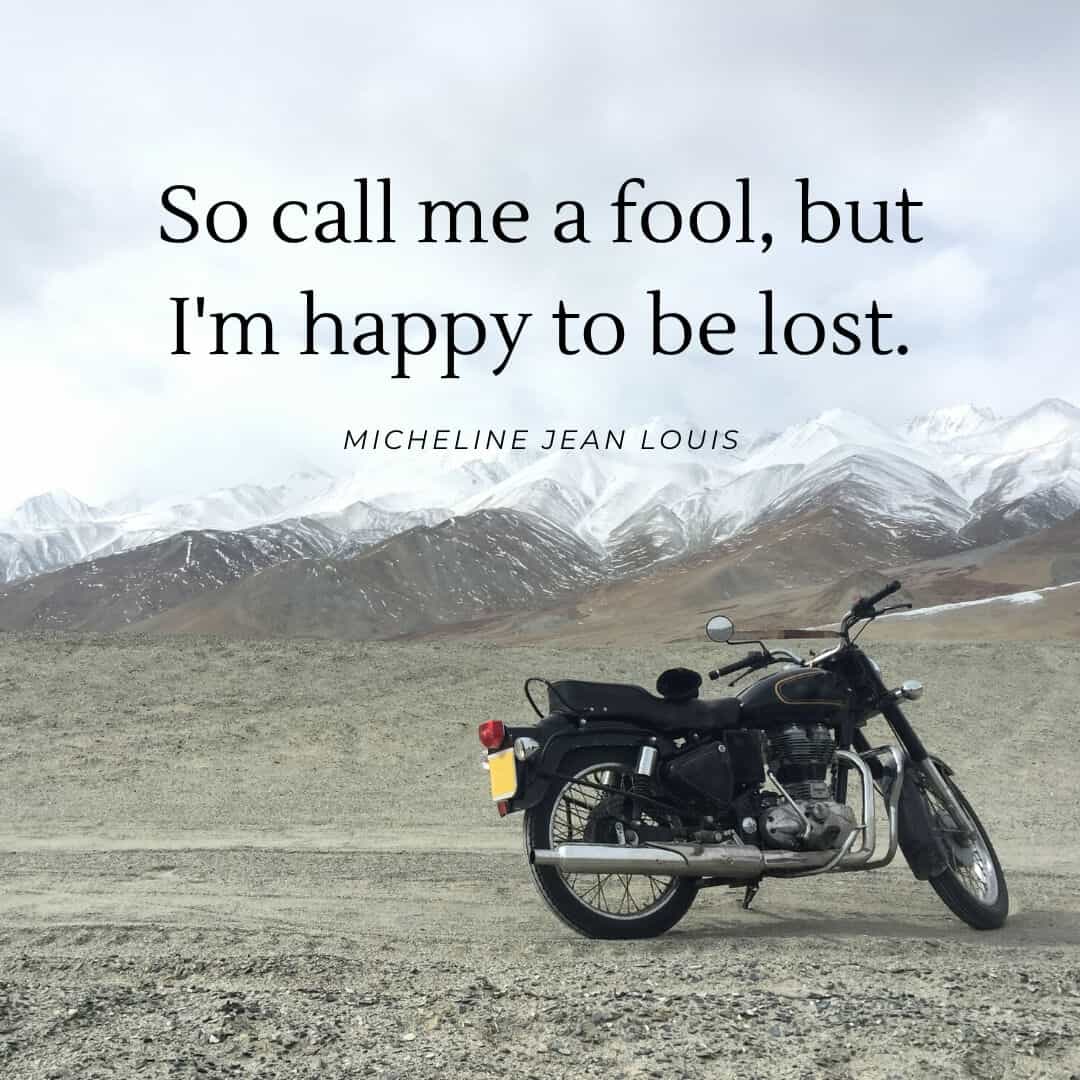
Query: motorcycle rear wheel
x,y
615,906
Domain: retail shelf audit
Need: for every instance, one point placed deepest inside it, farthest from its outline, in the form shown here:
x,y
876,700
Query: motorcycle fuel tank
x,y
799,694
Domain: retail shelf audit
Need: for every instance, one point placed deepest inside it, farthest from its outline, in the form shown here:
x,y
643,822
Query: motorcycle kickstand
x,y
751,891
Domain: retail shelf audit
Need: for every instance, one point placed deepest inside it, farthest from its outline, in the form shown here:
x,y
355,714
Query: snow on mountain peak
x,y
981,432
52,510
803,443
1043,423
949,422
1058,405
302,487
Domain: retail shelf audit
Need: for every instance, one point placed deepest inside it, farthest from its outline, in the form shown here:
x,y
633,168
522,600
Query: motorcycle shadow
x,y
1026,927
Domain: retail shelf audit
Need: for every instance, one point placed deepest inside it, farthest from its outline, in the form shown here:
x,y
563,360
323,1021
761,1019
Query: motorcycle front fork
x,y
921,762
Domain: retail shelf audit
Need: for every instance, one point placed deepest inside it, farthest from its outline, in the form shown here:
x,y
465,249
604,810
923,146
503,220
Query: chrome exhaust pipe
x,y
733,862
729,862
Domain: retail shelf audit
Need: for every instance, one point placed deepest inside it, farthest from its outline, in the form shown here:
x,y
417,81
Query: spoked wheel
x,y
973,884
592,808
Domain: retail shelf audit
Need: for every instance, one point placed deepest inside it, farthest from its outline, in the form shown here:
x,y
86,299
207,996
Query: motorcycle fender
x,y
917,841
944,766
544,770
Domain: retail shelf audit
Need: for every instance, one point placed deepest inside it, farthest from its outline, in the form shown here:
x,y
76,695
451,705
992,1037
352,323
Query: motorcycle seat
x,y
624,701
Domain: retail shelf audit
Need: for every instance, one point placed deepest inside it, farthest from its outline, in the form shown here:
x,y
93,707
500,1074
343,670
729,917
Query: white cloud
x,y
947,289
104,108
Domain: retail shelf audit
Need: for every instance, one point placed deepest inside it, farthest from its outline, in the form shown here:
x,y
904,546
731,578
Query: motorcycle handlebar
x,y
865,603
729,669
861,609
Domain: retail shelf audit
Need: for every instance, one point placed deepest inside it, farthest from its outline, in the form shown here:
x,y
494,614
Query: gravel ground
x,y
277,860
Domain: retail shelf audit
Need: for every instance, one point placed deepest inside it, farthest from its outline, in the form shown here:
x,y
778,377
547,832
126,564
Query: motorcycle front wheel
x,y
972,885
588,807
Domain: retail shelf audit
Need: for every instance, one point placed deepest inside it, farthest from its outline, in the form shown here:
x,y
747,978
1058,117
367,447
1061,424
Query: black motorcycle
x,y
634,801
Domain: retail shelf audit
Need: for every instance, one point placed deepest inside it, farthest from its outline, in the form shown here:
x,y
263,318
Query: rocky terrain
x,y
278,859
300,578
805,573
114,591
445,575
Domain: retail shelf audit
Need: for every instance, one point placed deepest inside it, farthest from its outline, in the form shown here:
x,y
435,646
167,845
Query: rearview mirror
x,y
911,689
719,628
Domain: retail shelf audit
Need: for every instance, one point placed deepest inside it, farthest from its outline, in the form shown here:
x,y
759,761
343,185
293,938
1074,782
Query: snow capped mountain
x,y
1009,458
1049,421
878,484
593,494
959,472
561,487
303,487
405,484
51,510
951,422
363,524
26,553
451,486
724,510
807,442
1013,475
1025,490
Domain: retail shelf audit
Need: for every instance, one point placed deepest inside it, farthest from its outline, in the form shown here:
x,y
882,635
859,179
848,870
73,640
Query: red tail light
x,y
492,734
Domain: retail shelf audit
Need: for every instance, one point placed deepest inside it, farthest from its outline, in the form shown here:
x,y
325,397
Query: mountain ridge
x,y
953,479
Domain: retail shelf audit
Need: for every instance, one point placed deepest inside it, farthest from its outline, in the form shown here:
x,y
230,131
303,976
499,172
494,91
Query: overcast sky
x,y
974,111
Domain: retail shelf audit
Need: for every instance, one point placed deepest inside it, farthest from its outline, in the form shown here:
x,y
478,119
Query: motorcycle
x,y
634,802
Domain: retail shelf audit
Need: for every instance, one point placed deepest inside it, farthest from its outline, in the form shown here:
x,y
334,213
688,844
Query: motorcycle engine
x,y
799,757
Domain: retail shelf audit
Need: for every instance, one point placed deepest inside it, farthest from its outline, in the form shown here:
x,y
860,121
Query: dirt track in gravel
x,y
215,864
